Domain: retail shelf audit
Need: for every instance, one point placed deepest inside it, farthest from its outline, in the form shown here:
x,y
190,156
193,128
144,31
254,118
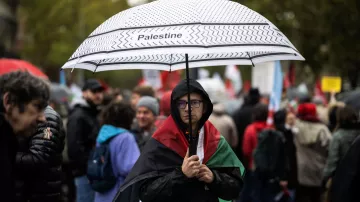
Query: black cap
x,y
93,85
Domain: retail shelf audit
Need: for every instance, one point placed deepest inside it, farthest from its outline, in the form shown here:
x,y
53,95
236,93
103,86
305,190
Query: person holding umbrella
x,y
166,171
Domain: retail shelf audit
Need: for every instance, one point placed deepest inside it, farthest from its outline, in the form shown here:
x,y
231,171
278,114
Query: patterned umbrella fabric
x,y
10,65
157,35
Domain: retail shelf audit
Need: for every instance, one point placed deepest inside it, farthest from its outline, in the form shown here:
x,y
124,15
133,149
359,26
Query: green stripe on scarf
x,y
224,157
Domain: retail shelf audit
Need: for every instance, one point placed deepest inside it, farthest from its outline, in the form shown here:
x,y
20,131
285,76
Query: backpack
x,y
269,154
99,170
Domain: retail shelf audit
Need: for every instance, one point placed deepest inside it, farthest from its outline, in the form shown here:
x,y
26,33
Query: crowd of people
x,y
113,148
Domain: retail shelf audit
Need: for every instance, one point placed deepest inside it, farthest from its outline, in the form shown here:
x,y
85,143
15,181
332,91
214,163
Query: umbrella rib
x,y
97,65
250,59
170,61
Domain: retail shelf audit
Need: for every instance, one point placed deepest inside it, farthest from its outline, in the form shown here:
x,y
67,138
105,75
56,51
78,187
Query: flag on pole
x,y
275,96
233,80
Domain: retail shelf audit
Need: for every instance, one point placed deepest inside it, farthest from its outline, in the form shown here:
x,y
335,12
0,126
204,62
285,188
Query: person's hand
x,y
205,174
191,165
283,184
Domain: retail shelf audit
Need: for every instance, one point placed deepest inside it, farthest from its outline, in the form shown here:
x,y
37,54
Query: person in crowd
x,y
147,109
225,124
140,91
321,109
165,110
23,101
166,171
346,132
259,117
116,121
346,181
82,129
285,123
243,117
312,142
38,161
332,115
113,95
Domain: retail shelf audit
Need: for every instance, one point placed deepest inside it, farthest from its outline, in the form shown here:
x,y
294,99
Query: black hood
x,y
181,90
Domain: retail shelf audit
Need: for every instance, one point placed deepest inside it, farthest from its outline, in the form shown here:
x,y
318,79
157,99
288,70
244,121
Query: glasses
x,y
193,103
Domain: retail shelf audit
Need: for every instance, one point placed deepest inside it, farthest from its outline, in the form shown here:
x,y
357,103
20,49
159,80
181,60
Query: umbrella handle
x,y
193,144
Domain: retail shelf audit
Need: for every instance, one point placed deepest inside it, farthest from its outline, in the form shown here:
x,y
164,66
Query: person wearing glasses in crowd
x,y
165,171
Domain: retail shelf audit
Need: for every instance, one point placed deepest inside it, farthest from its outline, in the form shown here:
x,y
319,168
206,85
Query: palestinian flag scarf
x,y
166,150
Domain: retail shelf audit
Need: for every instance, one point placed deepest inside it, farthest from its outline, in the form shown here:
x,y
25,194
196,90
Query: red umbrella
x,y
9,65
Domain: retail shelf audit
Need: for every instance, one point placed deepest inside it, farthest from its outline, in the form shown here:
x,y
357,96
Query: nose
x,y
41,118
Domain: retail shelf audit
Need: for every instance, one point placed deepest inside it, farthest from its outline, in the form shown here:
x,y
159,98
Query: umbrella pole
x,y
192,143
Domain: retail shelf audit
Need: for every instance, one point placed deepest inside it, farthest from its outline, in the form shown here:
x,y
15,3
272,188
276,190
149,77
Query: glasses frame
x,y
191,104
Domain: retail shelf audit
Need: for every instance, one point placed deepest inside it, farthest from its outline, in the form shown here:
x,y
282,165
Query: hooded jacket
x,y
124,152
82,129
157,175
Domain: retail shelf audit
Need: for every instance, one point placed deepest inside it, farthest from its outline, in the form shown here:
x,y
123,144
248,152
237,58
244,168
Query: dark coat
x,y
82,130
8,147
346,182
38,162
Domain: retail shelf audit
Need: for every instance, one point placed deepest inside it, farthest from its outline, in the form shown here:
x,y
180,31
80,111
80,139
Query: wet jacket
x,y
8,147
82,129
38,162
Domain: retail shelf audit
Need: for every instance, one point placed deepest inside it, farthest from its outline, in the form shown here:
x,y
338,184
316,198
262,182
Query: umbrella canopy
x,y
351,98
157,35
9,65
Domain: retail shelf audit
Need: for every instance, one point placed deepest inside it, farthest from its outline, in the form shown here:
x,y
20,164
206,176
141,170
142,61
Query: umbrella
x,y
172,34
351,98
59,93
9,65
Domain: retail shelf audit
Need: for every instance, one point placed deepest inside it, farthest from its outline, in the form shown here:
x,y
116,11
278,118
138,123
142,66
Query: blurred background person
x,y
312,142
82,130
38,162
345,133
147,109
225,124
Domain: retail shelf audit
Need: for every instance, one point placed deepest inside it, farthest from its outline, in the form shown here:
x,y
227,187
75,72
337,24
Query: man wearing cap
x,y
82,129
147,109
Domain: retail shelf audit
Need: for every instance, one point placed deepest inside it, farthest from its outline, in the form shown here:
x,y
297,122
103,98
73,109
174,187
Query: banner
x,y
331,84
152,78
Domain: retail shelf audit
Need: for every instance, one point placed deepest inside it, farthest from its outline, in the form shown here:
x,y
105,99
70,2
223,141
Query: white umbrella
x,y
178,34
157,35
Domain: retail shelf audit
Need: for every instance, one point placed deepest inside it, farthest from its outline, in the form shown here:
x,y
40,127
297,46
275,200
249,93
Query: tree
x,y
54,29
324,31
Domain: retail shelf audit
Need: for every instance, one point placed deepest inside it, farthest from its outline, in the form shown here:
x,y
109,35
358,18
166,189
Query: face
x,y
145,117
24,123
197,108
290,119
95,96
134,100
